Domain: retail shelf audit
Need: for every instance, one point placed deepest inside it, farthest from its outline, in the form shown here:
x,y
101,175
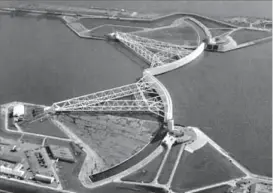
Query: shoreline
x,y
149,74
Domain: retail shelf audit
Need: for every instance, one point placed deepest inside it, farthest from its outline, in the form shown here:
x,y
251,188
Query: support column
x,y
170,124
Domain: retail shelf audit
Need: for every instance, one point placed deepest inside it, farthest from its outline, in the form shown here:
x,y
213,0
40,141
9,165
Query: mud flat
x,y
113,138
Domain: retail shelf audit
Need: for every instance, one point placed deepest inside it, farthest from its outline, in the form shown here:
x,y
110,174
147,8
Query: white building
x,y
44,179
10,171
18,111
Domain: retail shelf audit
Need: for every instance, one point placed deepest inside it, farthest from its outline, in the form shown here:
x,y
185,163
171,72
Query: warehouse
x,y
12,172
44,178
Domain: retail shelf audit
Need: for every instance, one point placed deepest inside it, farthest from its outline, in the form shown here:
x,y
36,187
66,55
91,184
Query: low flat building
x,y
12,172
44,178
260,188
61,153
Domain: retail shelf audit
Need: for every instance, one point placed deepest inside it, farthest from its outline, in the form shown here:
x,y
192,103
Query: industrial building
x,y
15,172
61,153
44,178
260,188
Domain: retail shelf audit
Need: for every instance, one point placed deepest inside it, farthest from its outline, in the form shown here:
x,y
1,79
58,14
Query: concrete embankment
x,y
204,28
232,45
179,63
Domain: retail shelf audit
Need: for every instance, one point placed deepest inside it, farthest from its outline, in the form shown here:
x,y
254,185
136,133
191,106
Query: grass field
x,y
90,23
204,167
113,138
244,35
210,23
126,188
46,127
217,32
106,29
32,139
166,172
147,173
220,189
176,35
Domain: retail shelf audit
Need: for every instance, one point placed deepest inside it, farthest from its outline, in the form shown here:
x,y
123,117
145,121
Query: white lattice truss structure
x,y
156,53
144,98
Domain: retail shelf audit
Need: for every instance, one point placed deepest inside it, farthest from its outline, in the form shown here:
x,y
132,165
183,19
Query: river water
x,y
227,95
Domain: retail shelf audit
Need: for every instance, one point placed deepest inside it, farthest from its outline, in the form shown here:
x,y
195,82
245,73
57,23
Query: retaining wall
x,y
205,29
162,92
179,63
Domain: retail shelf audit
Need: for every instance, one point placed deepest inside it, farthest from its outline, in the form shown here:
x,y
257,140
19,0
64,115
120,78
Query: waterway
x,y
227,95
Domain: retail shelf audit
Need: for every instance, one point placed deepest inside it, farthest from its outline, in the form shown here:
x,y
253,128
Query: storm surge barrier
x,y
148,94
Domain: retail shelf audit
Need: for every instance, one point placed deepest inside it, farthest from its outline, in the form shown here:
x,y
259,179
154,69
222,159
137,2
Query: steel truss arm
x,y
152,43
113,93
110,94
165,51
155,107
138,48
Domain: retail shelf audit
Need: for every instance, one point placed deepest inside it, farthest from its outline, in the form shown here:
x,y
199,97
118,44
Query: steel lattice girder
x,y
140,45
139,87
151,42
138,48
123,105
113,93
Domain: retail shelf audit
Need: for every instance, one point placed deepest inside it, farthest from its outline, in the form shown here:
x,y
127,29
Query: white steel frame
x,y
145,96
105,100
154,52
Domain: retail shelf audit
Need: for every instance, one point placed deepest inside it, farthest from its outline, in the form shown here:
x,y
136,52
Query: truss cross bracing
x,y
154,52
145,98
